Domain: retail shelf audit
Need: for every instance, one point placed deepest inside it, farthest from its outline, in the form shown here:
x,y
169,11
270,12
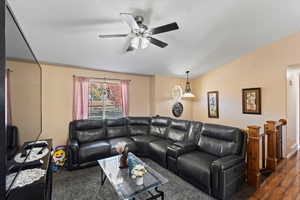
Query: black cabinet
x,y
39,190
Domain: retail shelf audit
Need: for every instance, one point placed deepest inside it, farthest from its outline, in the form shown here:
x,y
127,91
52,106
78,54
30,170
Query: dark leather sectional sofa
x,y
12,141
210,156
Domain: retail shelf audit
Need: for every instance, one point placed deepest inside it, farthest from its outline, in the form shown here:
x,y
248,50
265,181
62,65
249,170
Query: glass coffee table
x,y
124,185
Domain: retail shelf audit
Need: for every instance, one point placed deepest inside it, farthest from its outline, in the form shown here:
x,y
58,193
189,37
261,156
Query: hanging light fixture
x,y
188,91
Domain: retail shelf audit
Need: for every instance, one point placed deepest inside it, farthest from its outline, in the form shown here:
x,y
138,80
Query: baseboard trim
x,y
293,152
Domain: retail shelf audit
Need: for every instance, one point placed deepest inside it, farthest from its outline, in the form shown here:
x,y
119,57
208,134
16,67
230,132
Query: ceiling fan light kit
x,y
188,90
141,36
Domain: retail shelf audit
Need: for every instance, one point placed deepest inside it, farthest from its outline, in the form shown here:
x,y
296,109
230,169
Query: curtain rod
x,y
112,79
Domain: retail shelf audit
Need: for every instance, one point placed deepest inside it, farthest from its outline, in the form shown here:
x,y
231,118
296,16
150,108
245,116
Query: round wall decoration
x,y
177,92
177,109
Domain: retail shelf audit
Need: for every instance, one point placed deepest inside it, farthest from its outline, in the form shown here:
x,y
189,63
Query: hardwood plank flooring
x,y
283,184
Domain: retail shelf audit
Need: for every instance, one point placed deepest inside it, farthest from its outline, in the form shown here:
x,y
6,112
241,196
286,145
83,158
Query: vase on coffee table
x,y
139,180
124,159
122,149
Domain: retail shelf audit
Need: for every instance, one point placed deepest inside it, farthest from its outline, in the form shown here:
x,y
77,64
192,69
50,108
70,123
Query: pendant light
x,y
188,91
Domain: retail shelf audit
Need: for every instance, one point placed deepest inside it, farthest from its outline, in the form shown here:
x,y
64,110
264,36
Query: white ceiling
x,y
212,32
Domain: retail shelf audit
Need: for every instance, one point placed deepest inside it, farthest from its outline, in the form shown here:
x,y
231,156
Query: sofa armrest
x,y
227,175
72,151
186,145
227,162
178,148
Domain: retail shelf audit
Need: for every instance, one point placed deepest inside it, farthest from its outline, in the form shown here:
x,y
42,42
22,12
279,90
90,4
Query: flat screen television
x,y
23,96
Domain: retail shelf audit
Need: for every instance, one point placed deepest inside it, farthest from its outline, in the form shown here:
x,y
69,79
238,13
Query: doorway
x,y
293,110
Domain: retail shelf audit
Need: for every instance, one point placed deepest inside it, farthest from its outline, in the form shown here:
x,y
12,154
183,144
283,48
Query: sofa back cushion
x,y
159,126
85,131
220,140
194,132
116,128
138,125
178,130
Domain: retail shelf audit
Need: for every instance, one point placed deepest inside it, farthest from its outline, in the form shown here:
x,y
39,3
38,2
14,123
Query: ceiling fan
x,y
141,36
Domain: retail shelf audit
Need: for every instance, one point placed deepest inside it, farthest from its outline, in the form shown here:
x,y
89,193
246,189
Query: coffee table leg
x,y
103,177
160,194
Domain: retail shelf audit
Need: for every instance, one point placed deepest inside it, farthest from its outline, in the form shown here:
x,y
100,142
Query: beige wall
x,y
265,68
25,89
162,100
58,97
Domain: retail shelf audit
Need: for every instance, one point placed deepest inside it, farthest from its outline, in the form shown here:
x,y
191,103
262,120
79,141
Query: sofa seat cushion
x,y
195,166
142,143
130,143
158,151
93,151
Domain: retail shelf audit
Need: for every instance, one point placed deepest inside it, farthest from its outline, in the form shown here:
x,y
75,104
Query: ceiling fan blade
x,y
158,42
113,36
165,28
129,19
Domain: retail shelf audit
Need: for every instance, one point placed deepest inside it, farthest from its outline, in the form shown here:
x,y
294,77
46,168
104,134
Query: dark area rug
x,y
84,184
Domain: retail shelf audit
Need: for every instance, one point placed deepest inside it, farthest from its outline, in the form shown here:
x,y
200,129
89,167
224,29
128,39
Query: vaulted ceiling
x,y
212,32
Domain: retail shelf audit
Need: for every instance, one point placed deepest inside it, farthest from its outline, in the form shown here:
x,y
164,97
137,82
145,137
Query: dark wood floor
x,y
283,184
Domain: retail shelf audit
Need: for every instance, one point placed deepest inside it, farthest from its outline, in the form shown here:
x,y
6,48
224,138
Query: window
x,y
105,99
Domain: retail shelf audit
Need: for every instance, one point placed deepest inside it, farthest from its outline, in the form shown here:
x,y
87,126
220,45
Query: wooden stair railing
x,y
256,150
273,130
253,155
270,128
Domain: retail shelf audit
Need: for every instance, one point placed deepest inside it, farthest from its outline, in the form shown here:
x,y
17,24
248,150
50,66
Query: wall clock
x,y
177,109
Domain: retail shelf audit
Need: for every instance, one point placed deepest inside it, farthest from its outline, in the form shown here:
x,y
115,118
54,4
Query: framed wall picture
x,y
251,101
213,104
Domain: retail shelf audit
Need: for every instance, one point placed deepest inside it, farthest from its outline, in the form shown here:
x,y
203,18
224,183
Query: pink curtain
x,y
8,98
80,98
125,96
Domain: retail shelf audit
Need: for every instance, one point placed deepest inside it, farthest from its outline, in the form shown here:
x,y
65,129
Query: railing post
x,y
279,128
270,130
253,155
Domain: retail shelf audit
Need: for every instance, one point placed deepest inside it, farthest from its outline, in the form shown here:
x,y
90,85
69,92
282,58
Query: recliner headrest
x,y
221,132
141,121
115,122
160,121
88,124
179,124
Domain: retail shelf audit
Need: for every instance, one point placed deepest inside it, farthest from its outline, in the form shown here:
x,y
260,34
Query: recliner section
x,y
171,131
209,156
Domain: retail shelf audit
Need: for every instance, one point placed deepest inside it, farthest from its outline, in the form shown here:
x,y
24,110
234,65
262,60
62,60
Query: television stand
x,y
40,189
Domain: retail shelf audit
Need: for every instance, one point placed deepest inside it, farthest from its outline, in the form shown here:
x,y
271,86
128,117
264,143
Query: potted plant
x,y
138,173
